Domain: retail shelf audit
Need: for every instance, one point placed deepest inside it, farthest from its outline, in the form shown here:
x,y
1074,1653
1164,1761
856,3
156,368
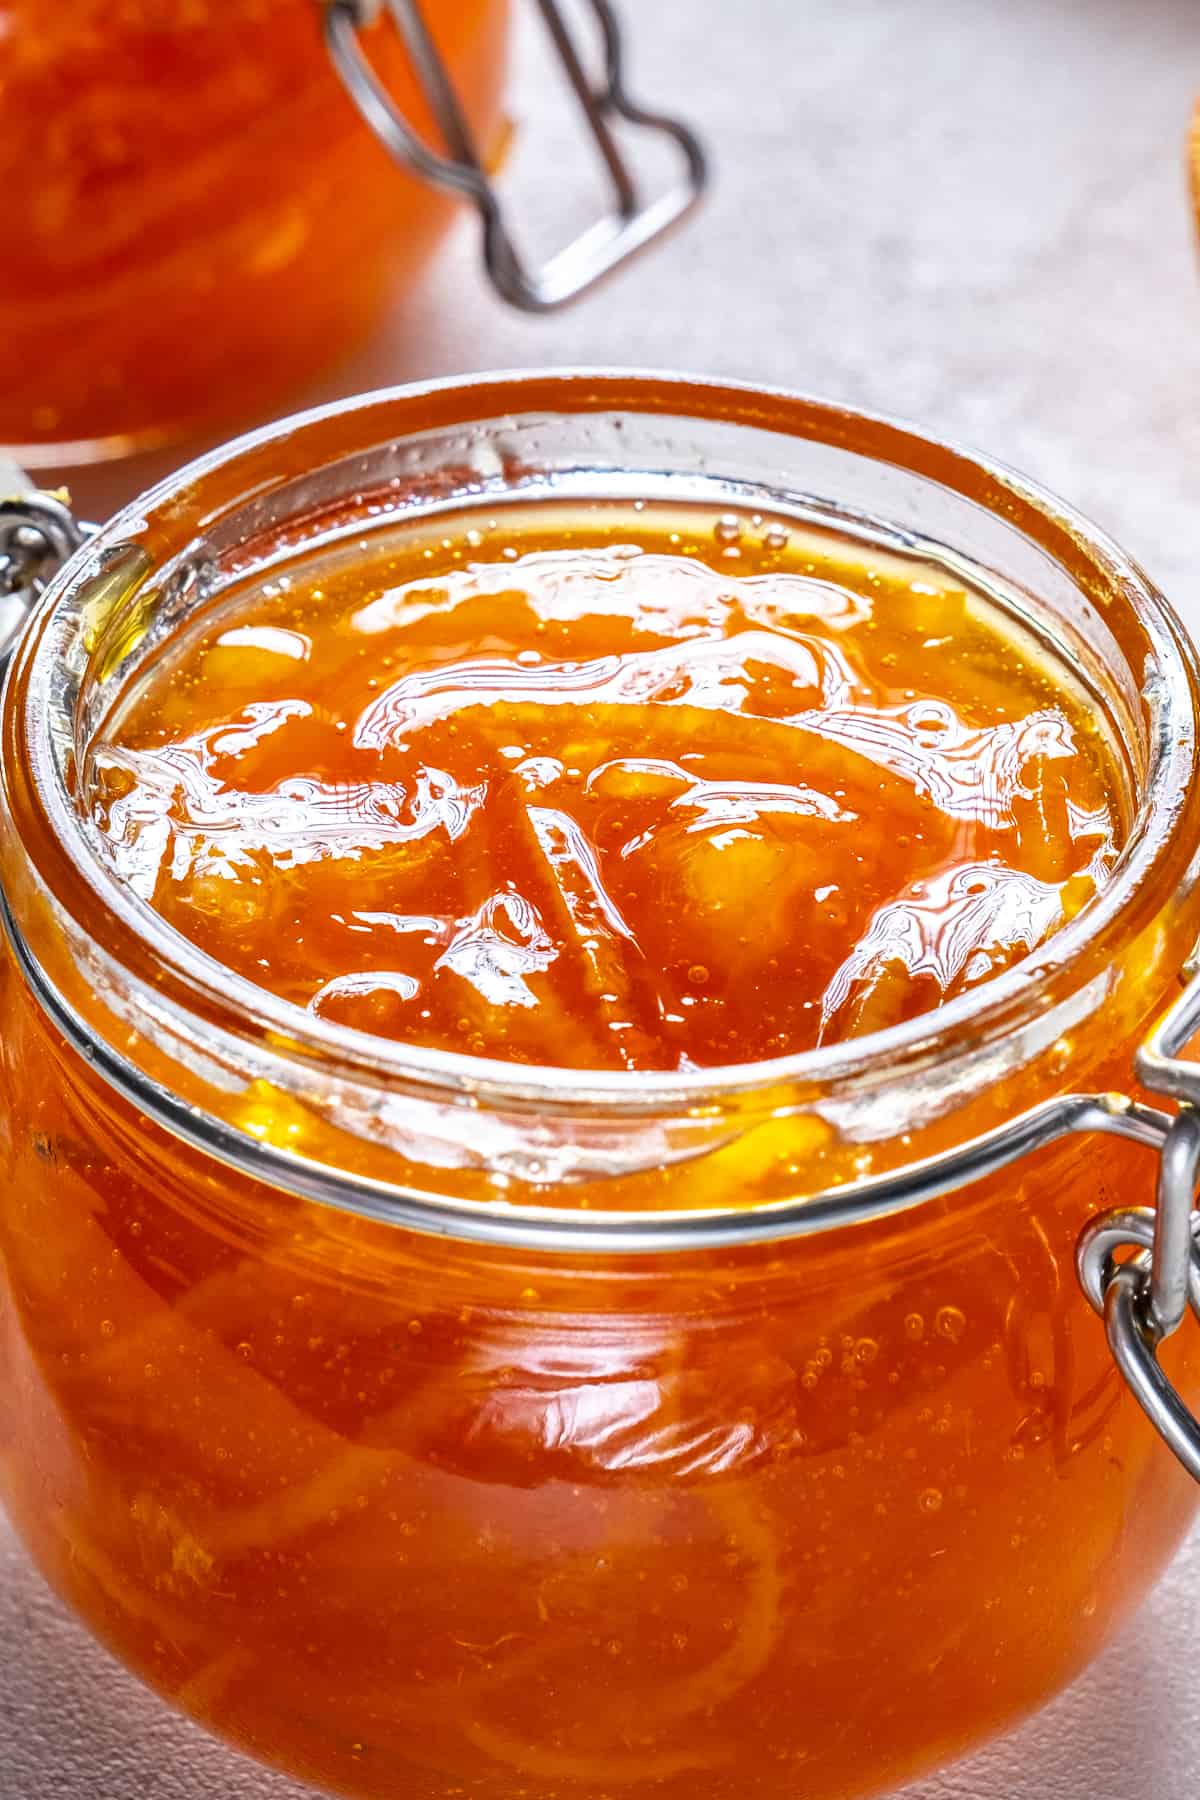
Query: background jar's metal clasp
x,y
1144,1298
38,532
628,227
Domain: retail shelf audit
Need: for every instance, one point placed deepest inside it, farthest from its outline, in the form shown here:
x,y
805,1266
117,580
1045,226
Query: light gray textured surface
x,y
971,212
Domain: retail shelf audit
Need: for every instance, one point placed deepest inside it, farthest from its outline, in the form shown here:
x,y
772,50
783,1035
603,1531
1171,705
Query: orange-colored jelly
x,y
457,1521
197,217
613,789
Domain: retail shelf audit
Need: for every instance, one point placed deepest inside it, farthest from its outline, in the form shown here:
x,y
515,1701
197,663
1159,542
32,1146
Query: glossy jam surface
x,y
198,217
613,789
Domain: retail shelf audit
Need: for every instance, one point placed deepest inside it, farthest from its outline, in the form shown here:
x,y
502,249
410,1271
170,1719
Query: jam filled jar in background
x,y
197,218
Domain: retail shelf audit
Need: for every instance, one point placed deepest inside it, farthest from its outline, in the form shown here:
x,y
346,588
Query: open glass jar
x,y
200,216
426,1423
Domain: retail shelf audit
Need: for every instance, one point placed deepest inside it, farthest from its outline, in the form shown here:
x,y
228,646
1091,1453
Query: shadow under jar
x,y
433,1425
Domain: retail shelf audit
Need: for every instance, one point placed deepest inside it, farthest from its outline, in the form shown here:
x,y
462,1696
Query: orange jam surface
x,y
612,788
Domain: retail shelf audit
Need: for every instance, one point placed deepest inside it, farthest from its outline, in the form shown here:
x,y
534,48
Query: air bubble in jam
x,y
565,792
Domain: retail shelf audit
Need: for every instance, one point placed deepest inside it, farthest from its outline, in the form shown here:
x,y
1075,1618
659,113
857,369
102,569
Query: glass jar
x,y
201,215
428,1424
196,214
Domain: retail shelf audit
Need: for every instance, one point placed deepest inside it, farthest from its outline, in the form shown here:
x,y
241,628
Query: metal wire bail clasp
x,y
37,534
628,227
1144,1299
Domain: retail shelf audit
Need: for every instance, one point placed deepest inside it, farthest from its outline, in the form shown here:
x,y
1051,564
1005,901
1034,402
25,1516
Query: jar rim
x,y
476,400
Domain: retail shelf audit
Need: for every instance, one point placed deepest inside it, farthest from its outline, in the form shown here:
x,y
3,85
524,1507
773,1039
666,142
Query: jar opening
x,y
339,475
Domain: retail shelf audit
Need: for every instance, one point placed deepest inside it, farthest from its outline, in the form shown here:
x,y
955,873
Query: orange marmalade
x,y
633,791
613,789
197,216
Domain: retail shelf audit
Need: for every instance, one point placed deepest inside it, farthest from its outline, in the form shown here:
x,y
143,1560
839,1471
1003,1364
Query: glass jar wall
x,y
198,219
398,1516
401,1510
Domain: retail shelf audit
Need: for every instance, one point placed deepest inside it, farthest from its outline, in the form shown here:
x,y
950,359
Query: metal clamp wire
x,y
1134,1344
1172,1262
38,532
613,239
1145,1298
